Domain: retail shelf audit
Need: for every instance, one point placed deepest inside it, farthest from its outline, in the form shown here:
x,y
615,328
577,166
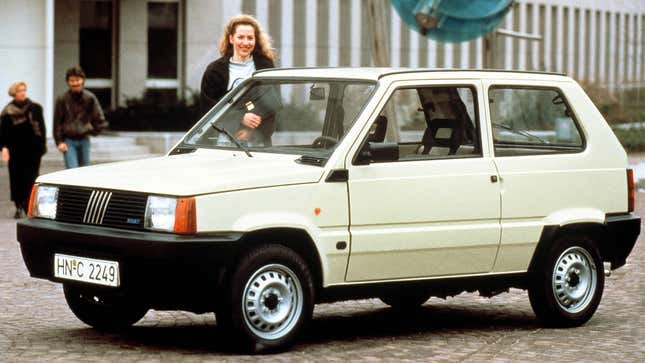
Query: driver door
x,y
425,215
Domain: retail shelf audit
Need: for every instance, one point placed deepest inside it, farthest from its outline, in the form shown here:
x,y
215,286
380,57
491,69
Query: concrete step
x,y
59,163
158,141
120,150
115,151
103,149
101,142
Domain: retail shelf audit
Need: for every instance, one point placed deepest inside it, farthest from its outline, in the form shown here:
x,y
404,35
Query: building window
x,y
162,40
95,48
163,50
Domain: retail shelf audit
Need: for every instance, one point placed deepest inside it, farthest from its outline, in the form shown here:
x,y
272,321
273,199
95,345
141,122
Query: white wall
x,y
133,49
26,48
205,20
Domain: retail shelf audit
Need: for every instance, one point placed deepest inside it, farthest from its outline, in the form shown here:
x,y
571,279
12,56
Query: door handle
x,y
493,178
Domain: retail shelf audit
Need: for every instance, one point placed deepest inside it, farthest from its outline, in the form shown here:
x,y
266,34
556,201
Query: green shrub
x,y
633,140
617,106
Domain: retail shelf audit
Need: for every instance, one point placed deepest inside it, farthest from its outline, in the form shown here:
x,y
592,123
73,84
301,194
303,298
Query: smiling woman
x,y
244,48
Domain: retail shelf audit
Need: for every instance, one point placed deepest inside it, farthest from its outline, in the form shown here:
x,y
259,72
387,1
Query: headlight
x,y
160,213
44,201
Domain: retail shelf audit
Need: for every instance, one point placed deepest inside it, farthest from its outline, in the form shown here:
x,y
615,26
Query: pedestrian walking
x,y
244,48
23,143
77,115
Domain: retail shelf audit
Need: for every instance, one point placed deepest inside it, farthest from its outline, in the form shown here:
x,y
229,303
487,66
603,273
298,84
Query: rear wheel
x,y
103,311
270,300
566,287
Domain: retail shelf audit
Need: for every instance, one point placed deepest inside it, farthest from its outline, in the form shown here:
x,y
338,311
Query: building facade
x,y
129,48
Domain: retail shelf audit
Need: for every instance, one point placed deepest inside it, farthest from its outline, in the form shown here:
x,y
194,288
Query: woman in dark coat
x,y
22,140
244,48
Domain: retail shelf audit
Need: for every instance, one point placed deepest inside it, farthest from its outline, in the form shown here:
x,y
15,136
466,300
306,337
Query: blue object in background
x,y
453,21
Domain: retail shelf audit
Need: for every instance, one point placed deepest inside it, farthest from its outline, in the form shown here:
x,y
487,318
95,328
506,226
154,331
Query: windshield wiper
x,y
520,132
239,145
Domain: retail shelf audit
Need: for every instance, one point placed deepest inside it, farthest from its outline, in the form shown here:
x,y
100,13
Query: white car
x,y
388,183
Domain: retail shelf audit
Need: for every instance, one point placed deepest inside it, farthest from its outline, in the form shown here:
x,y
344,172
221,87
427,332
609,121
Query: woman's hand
x,y
62,147
251,120
5,155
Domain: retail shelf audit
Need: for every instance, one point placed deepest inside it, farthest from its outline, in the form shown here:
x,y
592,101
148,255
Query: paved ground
x,y
35,325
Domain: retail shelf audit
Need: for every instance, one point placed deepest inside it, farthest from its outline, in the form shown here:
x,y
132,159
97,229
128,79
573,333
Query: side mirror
x,y
378,152
317,94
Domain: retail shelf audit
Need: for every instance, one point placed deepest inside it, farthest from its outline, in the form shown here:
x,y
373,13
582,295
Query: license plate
x,y
93,271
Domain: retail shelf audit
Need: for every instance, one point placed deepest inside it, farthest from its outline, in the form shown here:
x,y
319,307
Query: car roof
x,y
377,73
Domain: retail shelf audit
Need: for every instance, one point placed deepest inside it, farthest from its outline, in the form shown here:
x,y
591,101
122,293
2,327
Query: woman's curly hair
x,y
262,40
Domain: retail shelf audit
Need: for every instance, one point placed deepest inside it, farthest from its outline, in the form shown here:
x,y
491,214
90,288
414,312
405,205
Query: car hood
x,y
201,172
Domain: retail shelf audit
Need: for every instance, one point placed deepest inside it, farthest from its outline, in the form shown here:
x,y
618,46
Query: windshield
x,y
298,117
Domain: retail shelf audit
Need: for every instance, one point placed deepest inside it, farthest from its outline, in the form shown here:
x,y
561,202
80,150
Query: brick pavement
x,y
36,325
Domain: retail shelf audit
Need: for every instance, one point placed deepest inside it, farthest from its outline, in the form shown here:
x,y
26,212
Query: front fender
x,y
319,209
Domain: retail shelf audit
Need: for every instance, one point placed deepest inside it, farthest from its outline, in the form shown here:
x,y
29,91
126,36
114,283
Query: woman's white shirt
x,y
239,71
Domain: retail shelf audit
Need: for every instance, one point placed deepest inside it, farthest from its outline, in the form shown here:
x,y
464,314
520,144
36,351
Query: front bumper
x,y
166,270
621,232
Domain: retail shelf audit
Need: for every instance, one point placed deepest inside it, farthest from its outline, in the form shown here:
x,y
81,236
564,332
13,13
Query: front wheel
x,y
103,311
270,301
566,287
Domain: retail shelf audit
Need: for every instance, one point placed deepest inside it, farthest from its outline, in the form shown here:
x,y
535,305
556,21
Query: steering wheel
x,y
324,142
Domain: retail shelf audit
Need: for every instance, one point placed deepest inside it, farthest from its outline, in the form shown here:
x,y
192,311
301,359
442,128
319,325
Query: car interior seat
x,y
451,135
447,120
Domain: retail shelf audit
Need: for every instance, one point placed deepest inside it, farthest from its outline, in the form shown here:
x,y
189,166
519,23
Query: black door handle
x,y
493,178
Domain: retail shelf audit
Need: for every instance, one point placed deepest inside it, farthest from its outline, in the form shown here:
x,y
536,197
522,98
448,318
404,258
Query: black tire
x,y
560,296
405,299
103,311
269,300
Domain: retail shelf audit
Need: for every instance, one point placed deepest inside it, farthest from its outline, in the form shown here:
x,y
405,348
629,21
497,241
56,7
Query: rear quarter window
x,y
532,121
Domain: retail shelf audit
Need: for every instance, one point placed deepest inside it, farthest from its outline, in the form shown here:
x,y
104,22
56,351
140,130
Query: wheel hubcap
x,y
574,279
272,301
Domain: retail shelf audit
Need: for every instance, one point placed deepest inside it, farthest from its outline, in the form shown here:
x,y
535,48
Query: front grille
x,y
101,207
97,206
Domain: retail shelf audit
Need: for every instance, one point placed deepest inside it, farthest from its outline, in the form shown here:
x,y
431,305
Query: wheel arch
x,y
296,239
597,232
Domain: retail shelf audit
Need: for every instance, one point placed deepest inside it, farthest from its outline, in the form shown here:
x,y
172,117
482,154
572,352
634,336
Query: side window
x,y
529,121
429,123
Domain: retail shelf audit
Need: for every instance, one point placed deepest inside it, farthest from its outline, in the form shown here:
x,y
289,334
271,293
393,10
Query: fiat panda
x,y
357,183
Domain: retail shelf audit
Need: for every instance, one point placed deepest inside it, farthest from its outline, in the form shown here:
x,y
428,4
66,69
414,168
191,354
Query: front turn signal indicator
x,y
631,191
32,200
186,216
